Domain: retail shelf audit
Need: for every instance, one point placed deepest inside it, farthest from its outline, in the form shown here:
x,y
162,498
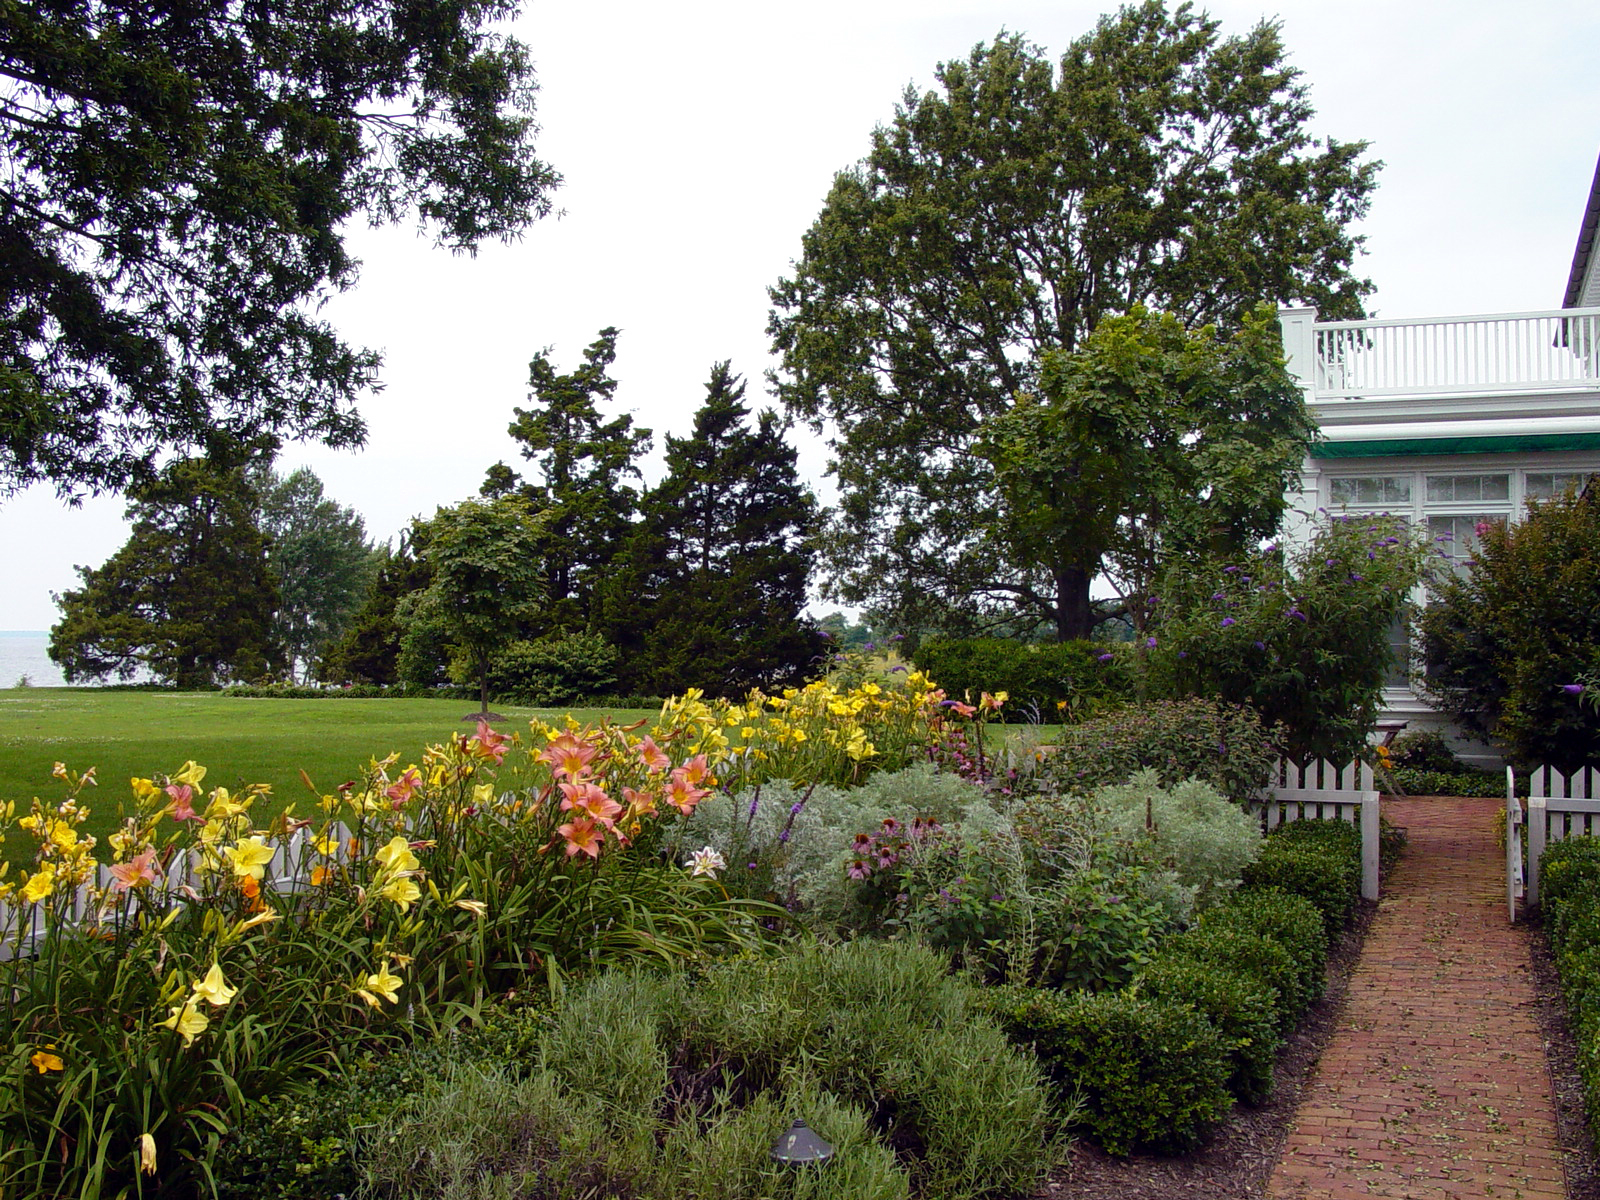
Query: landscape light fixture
x,y
799,1146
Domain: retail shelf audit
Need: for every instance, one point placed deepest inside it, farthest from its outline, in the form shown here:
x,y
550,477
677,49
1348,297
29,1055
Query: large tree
x,y
320,556
189,598
582,461
1146,443
711,589
1004,215
177,183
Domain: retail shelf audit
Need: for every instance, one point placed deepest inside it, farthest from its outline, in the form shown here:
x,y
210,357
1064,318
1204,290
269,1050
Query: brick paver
x,y
1434,1086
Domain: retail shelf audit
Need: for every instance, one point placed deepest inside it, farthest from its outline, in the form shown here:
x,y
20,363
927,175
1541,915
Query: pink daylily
x,y
591,801
653,756
568,756
136,873
489,744
183,802
400,791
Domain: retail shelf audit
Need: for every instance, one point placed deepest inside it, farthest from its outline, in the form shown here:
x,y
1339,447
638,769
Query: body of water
x,y
22,653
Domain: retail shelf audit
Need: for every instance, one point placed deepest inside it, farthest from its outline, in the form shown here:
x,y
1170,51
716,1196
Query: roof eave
x,y
1584,259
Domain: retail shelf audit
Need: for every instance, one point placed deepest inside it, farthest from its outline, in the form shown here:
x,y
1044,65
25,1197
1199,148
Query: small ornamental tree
x,y
1510,643
1303,637
486,581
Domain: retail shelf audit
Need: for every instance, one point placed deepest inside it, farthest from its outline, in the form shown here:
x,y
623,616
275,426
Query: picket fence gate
x,y
1560,806
1321,791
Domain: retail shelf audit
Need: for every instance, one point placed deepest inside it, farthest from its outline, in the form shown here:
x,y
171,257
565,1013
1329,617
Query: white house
x,y
1453,420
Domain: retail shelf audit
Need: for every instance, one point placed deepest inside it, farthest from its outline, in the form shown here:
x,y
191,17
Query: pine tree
x,y
369,648
582,463
711,588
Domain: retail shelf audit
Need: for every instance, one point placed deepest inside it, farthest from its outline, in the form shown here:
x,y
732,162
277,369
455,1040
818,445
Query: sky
x,y
698,141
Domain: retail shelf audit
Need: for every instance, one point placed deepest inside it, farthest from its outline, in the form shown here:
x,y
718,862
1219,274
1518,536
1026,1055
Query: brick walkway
x,y
1434,1086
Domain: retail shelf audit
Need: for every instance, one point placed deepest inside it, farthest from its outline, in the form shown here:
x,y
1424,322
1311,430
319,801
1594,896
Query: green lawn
x,y
124,734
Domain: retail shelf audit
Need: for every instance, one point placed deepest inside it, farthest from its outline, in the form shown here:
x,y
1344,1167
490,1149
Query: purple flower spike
x,y
1572,689
1151,642
1297,614
1260,645
1226,621
1105,657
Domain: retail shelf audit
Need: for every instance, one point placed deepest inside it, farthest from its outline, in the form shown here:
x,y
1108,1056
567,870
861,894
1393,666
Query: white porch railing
x,y
1556,350
1321,791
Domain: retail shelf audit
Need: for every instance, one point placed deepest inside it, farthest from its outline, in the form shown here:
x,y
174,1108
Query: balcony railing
x,y
1519,352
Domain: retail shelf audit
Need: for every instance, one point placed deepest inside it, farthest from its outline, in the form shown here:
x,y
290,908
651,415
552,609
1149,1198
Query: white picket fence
x,y
289,870
1321,791
1559,807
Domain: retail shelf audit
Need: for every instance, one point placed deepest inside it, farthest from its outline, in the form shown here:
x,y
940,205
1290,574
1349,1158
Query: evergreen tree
x,y
368,650
710,590
582,462
189,598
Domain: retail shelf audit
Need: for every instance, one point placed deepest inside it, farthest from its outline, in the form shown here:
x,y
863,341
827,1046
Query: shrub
x,y
1423,750
1207,839
1321,864
1095,930
1569,886
1238,1004
560,668
1459,782
1503,639
1051,680
1151,1074
1260,957
1219,744
1291,921
1302,639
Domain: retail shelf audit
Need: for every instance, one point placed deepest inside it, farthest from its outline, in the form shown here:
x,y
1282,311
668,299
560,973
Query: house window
x,y
1545,485
1372,490
1456,535
1468,489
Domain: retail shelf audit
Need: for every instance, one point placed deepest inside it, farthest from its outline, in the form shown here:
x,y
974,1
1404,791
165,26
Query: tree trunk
x,y
1074,615
483,688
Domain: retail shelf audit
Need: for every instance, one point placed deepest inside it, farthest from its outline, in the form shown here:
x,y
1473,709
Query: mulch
x,y
1237,1159
1581,1165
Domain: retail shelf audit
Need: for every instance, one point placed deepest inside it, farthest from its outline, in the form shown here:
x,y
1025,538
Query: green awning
x,y
1510,444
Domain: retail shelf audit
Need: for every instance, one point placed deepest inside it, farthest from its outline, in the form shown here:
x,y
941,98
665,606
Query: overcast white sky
x,y
699,138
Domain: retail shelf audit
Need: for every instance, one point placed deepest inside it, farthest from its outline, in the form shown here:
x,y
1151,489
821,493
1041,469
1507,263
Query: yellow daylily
x,y
250,857
147,1154
45,1062
403,891
40,884
187,1020
384,983
397,855
192,774
212,989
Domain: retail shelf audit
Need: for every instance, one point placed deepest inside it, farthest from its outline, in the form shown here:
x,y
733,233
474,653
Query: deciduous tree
x,y
320,556
177,184
1147,443
1005,214
486,581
